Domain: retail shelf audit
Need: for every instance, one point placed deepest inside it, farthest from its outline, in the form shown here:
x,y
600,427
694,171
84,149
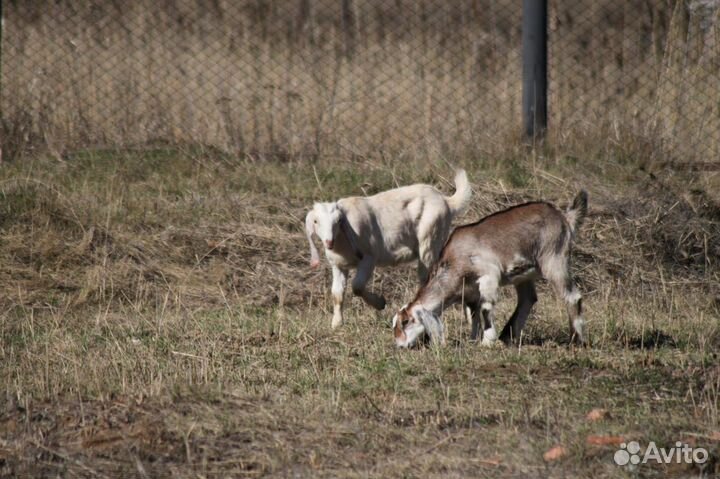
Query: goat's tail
x,y
459,202
576,213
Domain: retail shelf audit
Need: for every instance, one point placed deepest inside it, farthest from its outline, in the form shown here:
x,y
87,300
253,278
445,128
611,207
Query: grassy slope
x,y
159,317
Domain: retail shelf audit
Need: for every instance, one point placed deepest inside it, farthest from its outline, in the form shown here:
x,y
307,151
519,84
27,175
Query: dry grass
x,y
157,313
159,318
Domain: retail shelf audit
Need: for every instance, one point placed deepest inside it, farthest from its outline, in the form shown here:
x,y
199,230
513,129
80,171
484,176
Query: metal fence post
x,y
534,58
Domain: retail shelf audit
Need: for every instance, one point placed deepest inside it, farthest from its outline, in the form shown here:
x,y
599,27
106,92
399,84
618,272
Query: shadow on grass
x,y
652,339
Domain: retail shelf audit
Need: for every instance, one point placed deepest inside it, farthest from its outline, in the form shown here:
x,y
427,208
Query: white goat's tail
x,y
577,211
459,202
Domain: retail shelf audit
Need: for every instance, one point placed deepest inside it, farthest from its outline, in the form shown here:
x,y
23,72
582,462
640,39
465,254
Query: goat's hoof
x,y
336,323
489,337
377,302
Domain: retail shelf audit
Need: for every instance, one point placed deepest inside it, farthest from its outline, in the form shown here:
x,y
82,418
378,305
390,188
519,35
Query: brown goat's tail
x,y
576,213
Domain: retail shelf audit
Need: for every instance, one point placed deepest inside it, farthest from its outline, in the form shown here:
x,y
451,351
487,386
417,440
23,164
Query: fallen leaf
x,y
689,440
713,436
555,453
491,461
597,414
605,440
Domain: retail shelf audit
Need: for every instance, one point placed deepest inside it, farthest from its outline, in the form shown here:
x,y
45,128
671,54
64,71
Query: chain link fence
x,y
642,75
293,79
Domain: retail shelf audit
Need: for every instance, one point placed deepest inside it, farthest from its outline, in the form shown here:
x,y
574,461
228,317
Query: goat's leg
x,y
573,303
423,272
489,331
567,290
472,311
431,239
488,286
338,291
470,304
426,258
362,276
526,300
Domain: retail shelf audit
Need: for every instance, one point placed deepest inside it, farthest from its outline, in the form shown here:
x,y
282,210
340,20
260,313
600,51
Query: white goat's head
x,y
323,220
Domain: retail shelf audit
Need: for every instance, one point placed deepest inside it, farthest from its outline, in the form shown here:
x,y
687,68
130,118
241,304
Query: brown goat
x,y
515,246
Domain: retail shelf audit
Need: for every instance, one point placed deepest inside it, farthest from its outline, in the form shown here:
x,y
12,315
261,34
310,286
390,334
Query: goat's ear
x,y
310,223
433,327
399,316
309,231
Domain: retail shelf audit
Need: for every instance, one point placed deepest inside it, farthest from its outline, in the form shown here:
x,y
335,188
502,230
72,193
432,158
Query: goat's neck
x,y
434,296
343,245
347,232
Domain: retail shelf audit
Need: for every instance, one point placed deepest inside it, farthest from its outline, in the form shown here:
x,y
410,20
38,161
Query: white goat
x,y
386,229
515,246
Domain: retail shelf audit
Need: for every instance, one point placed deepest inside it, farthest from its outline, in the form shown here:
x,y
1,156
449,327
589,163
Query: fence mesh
x,y
639,74
310,78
